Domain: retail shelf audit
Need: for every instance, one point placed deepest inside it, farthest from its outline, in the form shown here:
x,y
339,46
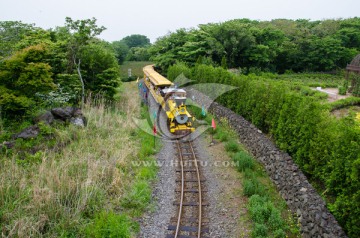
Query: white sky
x,y
157,17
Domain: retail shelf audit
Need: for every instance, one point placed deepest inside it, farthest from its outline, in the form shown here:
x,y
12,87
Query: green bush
x,y
280,233
252,187
258,214
342,90
232,146
244,161
343,103
222,135
260,231
275,221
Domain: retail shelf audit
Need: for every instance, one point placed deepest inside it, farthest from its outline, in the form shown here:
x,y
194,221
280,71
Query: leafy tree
x,y
23,76
277,45
82,32
136,41
100,69
121,50
138,54
166,50
12,32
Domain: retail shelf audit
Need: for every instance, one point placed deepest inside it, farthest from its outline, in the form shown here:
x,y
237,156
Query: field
x,y
135,66
314,79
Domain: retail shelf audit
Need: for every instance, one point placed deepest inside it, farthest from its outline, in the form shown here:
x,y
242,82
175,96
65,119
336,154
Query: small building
x,y
353,68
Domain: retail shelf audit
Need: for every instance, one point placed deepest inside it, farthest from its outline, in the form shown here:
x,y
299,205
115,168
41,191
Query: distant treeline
x,y
275,46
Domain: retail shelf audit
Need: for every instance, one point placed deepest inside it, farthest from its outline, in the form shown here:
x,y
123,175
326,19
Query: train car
x,y
171,99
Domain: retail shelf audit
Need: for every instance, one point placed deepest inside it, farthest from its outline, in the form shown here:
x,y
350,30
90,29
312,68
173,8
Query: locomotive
x,y
171,99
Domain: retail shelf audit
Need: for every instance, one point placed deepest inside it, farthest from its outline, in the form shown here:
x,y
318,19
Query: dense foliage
x,y
132,48
326,148
276,46
42,68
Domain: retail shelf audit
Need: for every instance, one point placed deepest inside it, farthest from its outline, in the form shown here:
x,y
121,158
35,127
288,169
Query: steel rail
x,y
199,185
182,190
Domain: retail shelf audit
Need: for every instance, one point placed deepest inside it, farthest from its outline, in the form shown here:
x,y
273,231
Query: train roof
x,y
156,78
173,90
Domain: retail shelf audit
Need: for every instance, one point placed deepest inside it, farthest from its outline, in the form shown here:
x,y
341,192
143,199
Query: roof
x,y
156,78
171,90
354,66
356,61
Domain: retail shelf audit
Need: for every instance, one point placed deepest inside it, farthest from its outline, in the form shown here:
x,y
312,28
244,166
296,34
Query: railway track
x,y
189,221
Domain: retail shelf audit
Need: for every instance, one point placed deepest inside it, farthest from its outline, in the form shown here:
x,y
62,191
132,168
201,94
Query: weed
x,y
222,135
252,187
260,231
232,146
275,221
139,196
109,224
245,161
280,233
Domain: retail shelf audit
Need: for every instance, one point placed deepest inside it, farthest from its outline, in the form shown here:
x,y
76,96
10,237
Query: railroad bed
x,y
190,220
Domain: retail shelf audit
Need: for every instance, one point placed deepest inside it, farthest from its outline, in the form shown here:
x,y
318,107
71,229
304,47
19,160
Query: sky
x,y
157,18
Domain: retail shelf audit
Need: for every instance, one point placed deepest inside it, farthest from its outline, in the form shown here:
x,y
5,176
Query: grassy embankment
x,y
87,187
267,210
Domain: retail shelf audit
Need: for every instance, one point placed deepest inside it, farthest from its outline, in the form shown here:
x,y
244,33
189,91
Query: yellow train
x,y
171,99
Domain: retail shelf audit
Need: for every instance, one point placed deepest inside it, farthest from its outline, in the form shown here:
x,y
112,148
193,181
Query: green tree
x,y
136,40
100,69
12,32
121,50
22,77
82,33
138,54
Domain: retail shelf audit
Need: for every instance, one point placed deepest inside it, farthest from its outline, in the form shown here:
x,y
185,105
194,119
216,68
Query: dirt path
x,y
333,93
227,213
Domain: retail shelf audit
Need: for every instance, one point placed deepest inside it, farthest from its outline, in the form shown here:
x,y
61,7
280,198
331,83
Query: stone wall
x,y
301,197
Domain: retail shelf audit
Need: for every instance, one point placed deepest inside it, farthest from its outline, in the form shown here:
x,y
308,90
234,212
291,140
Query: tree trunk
x,y
77,65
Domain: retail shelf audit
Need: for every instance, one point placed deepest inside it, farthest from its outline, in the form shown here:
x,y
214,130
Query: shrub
x,y
222,135
257,214
275,221
244,161
232,146
252,187
280,233
259,231
342,90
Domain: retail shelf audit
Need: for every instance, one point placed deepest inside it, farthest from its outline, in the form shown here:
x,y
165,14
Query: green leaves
x,y
22,76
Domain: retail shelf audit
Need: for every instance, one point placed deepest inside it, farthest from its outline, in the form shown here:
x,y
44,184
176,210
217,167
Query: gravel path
x,y
155,223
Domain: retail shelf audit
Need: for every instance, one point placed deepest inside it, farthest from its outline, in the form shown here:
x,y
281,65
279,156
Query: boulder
x,y
30,132
79,121
63,114
8,144
47,118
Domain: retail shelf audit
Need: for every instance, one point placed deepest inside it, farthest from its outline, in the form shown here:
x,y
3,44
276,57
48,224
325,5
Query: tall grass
x,y
64,193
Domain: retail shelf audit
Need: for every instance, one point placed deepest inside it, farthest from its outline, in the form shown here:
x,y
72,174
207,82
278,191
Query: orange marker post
x,y
154,131
213,125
